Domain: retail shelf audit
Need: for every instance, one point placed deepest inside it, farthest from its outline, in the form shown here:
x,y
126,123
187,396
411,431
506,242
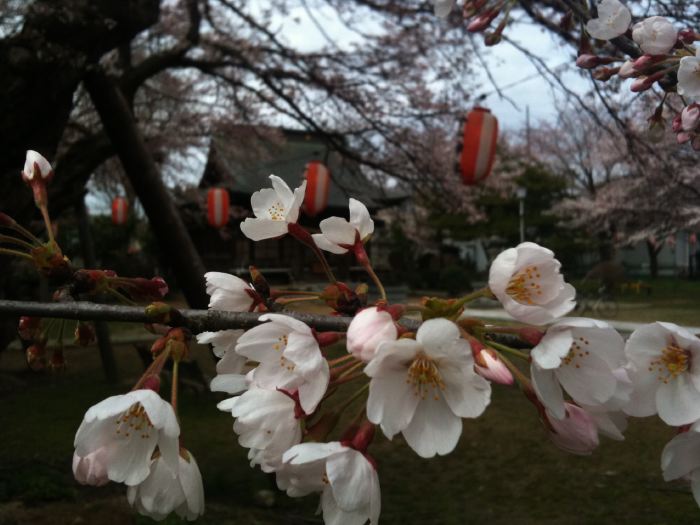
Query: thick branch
x,y
196,320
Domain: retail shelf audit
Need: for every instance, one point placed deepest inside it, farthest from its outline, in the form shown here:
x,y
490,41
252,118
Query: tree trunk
x,y
653,252
109,365
177,247
41,68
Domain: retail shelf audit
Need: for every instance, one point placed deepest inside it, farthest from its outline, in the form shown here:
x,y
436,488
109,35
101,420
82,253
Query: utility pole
x,y
521,193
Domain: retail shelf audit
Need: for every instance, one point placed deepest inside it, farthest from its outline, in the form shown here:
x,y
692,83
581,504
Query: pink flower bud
x,y
489,366
645,61
604,74
531,335
644,83
683,137
577,433
677,124
690,117
152,382
482,21
368,329
587,61
91,469
28,327
627,70
688,36
84,334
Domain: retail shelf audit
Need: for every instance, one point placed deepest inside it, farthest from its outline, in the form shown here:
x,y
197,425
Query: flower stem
x,y
304,237
27,234
508,350
289,300
15,253
523,380
483,292
47,222
349,371
153,369
173,386
352,398
339,360
14,240
363,259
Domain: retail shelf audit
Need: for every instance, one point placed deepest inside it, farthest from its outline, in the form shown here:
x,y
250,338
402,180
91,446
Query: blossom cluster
x,y
281,379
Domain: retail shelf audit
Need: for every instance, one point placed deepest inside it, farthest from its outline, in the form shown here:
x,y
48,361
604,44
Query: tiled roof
x,y
227,168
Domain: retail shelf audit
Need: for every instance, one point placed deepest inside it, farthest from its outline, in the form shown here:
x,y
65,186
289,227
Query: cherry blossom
x,y
580,355
266,422
35,165
664,373
680,459
609,416
527,282
689,76
289,357
368,329
163,491
274,208
338,235
128,428
423,387
655,35
575,433
228,292
613,20
347,480
229,370
91,469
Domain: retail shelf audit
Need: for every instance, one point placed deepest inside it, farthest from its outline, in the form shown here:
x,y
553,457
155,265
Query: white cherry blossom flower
x,y
91,469
228,292
266,423
289,357
443,7
338,235
680,459
655,35
367,330
36,166
129,427
689,76
527,282
163,491
665,373
580,355
229,370
423,388
613,20
274,208
346,479
609,416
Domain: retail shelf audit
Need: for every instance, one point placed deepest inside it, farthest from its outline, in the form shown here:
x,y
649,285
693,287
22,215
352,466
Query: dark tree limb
x,y
176,246
195,320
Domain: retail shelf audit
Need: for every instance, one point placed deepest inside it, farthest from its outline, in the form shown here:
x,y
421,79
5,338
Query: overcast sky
x,y
509,67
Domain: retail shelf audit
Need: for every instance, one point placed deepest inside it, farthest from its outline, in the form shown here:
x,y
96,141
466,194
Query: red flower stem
x,y
47,222
305,238
346,379
352,398
363,260
289,300
349,371
153,369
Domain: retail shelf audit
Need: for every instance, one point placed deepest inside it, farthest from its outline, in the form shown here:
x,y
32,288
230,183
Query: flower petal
x,y
434,428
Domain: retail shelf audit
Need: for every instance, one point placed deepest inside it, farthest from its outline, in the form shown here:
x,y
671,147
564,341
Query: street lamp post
x,y
521,193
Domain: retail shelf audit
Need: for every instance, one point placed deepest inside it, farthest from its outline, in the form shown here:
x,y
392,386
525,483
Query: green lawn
x,y
503,472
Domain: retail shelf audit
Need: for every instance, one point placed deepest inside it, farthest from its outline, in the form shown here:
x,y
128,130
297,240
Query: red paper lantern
x,y
318,182
217,207
478,146
120,210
